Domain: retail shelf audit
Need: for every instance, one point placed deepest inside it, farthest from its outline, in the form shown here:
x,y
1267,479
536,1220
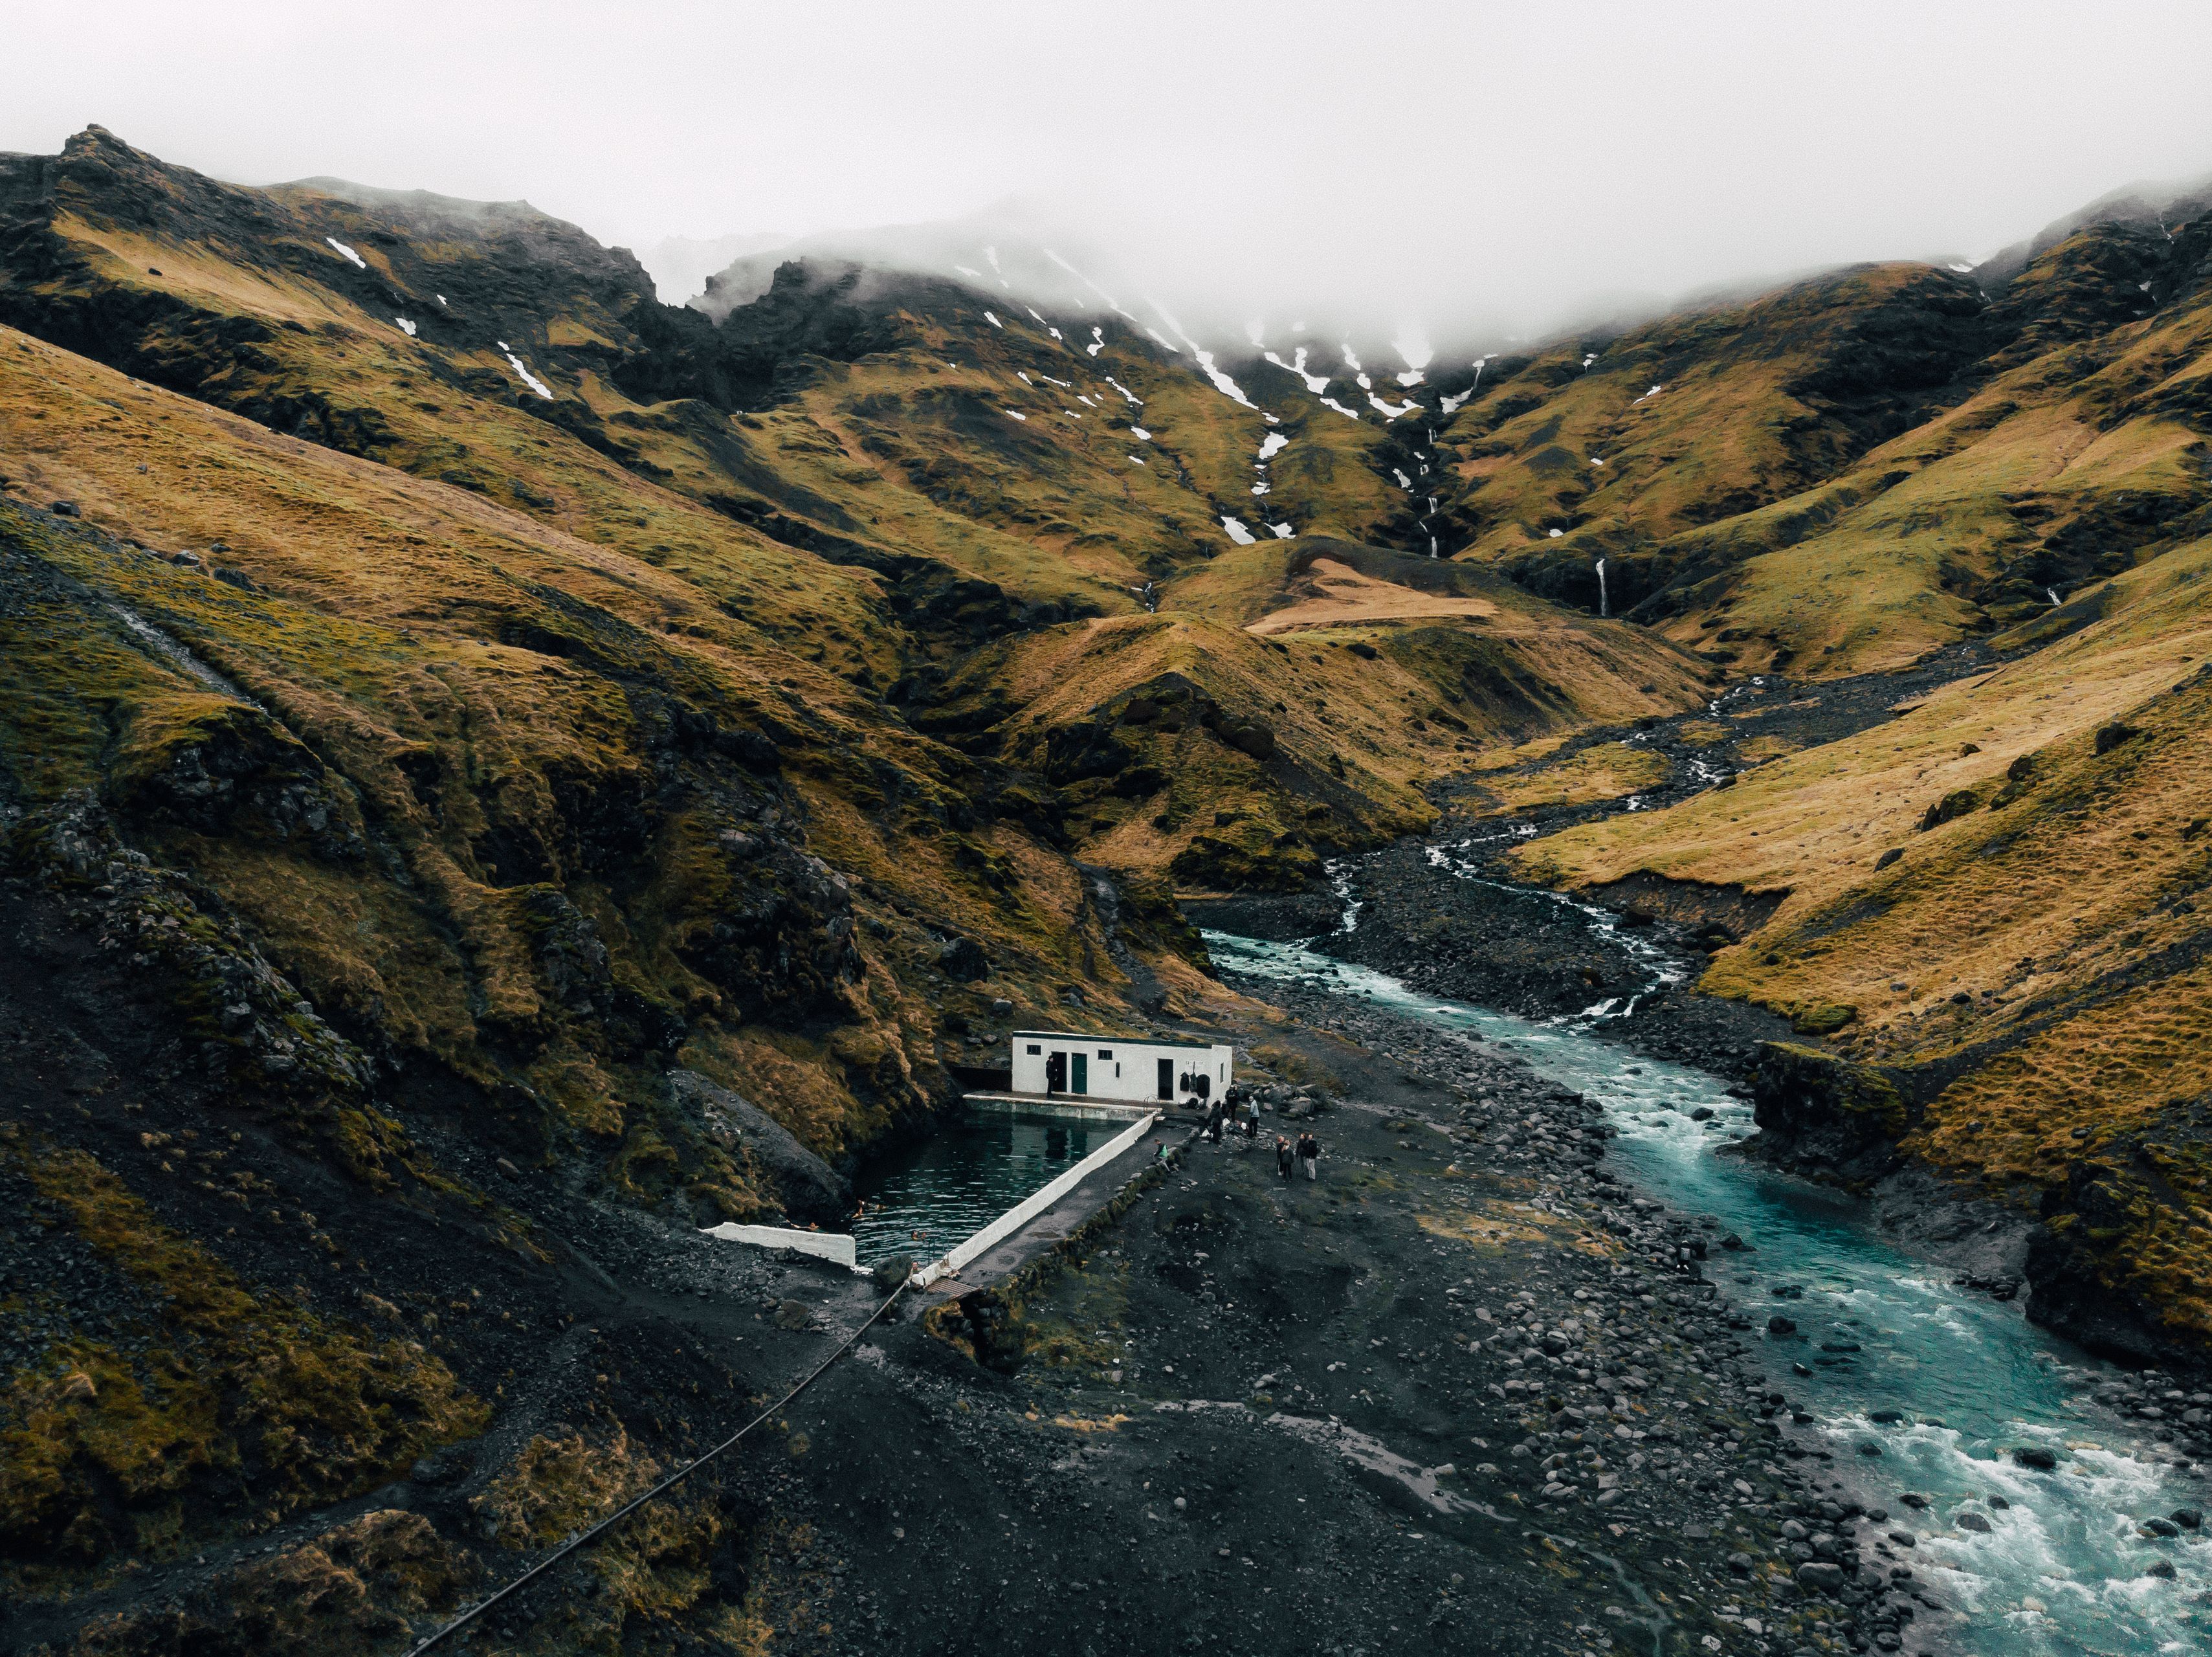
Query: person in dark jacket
x,y
1282,1156
1213,1125
1309,1153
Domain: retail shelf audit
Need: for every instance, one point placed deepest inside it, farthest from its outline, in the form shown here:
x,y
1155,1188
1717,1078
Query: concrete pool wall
x,y
1141,1124
841,1248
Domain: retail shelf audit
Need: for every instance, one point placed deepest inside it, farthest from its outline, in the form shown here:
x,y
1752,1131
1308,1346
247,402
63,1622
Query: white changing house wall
x,y
1107,1067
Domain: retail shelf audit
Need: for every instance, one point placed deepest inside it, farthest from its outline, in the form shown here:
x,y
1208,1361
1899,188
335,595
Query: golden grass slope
x,y
985,436
1859,468
471,678
1284,742
2041,957
1948,532
1616,441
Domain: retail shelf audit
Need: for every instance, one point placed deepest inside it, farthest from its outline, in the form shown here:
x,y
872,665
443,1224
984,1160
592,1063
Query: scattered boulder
x,y
794,1315
2034,1455
1252,737
1955,804
2110,737
889,1274
963,959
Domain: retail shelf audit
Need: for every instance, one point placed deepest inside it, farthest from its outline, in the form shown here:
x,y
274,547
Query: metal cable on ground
x,y
586,1539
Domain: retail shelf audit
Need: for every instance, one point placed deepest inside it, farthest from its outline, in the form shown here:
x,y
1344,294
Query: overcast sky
x,y
1515,163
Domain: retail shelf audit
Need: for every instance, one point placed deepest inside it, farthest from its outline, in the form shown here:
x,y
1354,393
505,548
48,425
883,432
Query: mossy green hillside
x,y
1862,467
215,1408
2028,965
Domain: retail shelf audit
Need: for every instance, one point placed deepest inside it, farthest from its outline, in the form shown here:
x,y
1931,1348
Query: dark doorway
x,y
1167,1079
1056,1073
1081,1082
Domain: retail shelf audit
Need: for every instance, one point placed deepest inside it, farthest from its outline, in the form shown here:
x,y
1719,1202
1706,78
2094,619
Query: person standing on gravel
x,y
1309,1153
1282,1156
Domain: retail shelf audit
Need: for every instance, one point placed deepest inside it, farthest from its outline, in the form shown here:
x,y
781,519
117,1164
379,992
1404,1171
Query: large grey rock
x,y
809,1187
1821,1577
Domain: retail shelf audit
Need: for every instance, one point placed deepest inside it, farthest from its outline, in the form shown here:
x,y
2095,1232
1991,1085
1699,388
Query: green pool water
x,y
931,1196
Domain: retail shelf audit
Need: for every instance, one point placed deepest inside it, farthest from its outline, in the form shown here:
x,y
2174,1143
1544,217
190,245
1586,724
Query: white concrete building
x,y
1062,1062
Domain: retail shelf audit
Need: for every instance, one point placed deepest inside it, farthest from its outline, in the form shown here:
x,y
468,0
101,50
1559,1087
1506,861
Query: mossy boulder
x,y
809,1187
1246,857
2090,1271
1075,752
1827,1115
1953,805
216,766
1822,1018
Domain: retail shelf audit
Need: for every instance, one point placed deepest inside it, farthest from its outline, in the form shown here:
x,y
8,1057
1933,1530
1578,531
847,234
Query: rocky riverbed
x,y
1467,1387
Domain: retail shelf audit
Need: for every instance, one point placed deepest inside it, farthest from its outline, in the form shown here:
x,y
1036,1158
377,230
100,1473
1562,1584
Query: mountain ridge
x,y
461,712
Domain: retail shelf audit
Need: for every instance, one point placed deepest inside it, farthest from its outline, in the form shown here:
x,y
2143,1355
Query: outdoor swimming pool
x,y
929,1197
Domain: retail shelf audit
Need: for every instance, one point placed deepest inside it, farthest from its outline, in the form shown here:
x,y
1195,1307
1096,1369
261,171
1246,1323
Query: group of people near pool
x,y
1290,1157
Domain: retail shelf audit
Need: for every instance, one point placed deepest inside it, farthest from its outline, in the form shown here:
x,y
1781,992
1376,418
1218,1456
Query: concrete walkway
x,y
1055,1224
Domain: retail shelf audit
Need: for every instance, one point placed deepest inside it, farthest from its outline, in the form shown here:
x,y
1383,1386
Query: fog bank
x,y
1471,170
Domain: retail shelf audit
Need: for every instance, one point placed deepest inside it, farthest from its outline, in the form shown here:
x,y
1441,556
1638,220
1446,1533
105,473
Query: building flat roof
x,y
1133,1041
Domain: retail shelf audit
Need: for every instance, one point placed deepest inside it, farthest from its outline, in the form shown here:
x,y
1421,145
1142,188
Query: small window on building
x,y
1105,1052
1034,1049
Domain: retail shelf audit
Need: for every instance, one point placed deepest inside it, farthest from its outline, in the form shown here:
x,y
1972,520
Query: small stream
x,y
2038,1563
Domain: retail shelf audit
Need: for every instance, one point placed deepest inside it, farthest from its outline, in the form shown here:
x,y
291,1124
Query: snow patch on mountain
x,y
528,378
1315,383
